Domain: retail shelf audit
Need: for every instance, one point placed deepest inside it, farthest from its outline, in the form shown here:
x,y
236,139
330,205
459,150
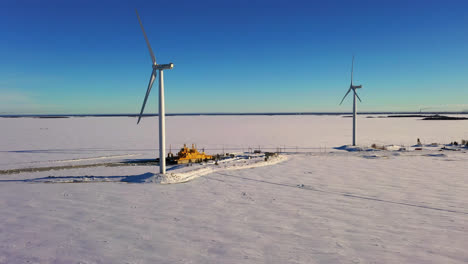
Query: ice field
x,y
320,205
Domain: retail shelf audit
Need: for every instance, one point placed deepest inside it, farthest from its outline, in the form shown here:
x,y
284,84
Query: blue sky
x,y
233,56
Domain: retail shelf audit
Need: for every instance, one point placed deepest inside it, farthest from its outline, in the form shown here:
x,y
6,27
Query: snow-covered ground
x,y
323,205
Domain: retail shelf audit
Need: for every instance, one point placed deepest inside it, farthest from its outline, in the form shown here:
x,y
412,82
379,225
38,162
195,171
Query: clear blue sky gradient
x,y
86,57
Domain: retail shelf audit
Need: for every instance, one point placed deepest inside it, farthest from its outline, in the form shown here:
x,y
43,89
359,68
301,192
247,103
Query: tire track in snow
x,y
96,158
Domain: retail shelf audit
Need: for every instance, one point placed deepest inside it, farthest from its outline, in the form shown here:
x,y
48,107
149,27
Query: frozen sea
x,y
321,205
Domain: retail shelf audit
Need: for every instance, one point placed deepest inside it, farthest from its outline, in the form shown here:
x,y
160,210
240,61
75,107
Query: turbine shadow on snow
x,y
141,178
69,151
137,178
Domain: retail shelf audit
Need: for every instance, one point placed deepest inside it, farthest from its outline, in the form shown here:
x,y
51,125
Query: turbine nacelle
x,y
356,86
163,66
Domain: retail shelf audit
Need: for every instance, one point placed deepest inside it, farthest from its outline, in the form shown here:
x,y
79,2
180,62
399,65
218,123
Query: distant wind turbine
x,y
353,88
162,124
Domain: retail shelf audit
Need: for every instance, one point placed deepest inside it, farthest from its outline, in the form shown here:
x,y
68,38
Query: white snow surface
x,y
322,205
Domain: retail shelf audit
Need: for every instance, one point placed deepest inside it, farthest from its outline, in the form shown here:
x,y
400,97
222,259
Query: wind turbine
x,y
353,87
162,124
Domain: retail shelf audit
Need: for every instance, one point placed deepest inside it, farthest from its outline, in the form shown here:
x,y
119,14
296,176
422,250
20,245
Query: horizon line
x,y
235,113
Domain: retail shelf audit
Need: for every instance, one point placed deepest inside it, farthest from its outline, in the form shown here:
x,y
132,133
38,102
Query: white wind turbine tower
x,y
353,87
162,125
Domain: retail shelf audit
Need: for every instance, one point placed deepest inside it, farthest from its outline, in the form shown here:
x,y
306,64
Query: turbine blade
x,y
153,58
150,84
352,68
345,96
357,95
